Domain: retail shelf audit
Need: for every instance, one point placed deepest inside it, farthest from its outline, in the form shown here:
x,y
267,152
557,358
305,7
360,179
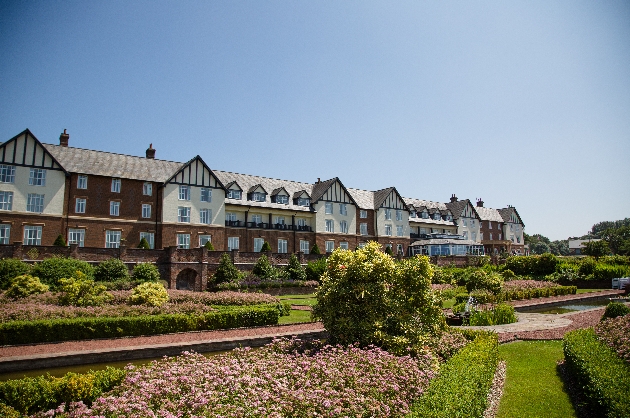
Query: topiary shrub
x,y
263,268
209,246
51,270
315,269
111,270
25,285
78,290
145,272
315,249
265,247
59,242
149,293
10,268
388,250
226,271
615,309
294,269
144,244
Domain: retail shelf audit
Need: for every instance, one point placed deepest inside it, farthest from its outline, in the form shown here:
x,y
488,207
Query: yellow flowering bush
x,y
149,293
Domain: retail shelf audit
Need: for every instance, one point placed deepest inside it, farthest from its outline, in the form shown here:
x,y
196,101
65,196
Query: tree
x,y
265,247
226,271
616,238
59,242
388,250
315,250
294,269
539,247
559,247
596,248
209,246
144,244
263,268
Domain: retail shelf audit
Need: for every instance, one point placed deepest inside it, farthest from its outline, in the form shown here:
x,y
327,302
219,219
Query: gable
x,y
196,173
26,150
336,193
257,189
234,186
393,201
469,211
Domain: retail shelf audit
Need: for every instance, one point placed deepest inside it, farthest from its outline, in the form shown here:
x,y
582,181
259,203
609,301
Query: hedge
x,y
461,389
30,395
601,375
29,332
487,297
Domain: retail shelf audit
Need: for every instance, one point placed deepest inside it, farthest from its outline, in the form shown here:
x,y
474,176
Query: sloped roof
x,y
417,203
489,214
457,207
506,213
363,198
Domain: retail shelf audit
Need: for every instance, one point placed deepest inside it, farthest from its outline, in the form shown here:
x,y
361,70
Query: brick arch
x,y
188,276
186,279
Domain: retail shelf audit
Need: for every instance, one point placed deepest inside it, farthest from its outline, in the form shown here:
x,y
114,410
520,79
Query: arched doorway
x,y
186,279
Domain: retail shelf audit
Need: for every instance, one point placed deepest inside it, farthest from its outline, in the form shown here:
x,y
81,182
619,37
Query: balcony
x,y
234,223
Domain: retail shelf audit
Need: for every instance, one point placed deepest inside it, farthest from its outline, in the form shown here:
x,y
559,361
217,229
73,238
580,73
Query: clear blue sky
x,y
523,103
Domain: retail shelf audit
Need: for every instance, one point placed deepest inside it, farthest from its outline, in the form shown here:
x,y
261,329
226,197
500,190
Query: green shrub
x,y
443,276
499,315
209,246
315,249
22,286
10,268
481,280
111,270
602,376
294,269
59,241
532,265
8,412
263,268
615,309
145,272
461,389
30,395
52,269
388,250
587,266
314,269
144,244
265,247
545,264
508,275
484,296
605,272
149,293
78,290
226,271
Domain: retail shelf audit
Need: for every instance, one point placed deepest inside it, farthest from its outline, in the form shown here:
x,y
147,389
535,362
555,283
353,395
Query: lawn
x,y
590,290
296,317
305,300
533,387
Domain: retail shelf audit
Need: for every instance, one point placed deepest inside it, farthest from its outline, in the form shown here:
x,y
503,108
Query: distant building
x,y
576,246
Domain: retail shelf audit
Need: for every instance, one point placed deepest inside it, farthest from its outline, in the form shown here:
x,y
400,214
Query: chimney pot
x,y
479,203
319,180
150,152
453,198
64,138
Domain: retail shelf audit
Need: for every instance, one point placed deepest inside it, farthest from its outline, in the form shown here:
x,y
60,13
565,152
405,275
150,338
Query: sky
x,y
522,103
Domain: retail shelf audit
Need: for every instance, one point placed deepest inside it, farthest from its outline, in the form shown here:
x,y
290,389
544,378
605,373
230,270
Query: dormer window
x,y
259,197
436,216
425,215
303,201
449,217
412,214
282,199
234,194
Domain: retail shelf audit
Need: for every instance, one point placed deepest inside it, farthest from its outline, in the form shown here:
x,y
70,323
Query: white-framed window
x,y
518,239
390,246
37,177
183,214
330,246
7,173
114,208
82,181
388,230
425,214
257,219
303,201
279,220
230,216
489,225
343,209
112,239
301,222
147,188
464,222
146,210
206,194
472,223
5,233
343,245
363,229
304,246
490,238
399,230
511,227
234,194
500,236
328,208
205,216
282,199
388,214
282,246
79,205
233,243
399,249
481,236
465,234
362,245
35,203
76,236
412,214
150,237
330,225
423,230
398,215
184,192
115,189
363,213
259,197
474,236
183,241
258,243
6,200
204,239
32,235
437,216
343,227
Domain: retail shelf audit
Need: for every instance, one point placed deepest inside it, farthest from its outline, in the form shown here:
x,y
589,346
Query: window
x,y
511,227
304,246
35,203
6,200
282,199
489,225
330,225
388,230
474,236
388,246
490,238
258,243
146,210
149,236
112,239
399,215
343,209
5,234
204,239
303,201
32,235
183,241
362,245
7,173
147,189
363,229
423,230
330,246
399,249
183,214
232,243
257,219
184,192
388,214
399,230
472,223
259,197
115,188
279,220
465,234
425,214
500,236
79,205
343,227
481,236
343,245
449,217
205,216
114,208
282,246
464,222
518,239
234,194
363,213
206,195
301,222
37,177
230,216
329,208
436,216
82,182
512,238
76,236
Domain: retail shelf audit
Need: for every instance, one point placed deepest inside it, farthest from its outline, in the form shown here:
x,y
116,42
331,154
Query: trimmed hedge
x,y
29,332
461,389
601,375
31,395
487,297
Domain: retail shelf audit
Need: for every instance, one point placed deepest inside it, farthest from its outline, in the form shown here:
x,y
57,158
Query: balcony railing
x,y
266,225
233,223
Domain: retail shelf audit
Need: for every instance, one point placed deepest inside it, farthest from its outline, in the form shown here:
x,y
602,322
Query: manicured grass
x,y
448,303
296,317
589,290
533,387
307,300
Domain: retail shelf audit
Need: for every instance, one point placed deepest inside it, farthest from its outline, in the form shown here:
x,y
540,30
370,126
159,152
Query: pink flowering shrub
x,y
516,285
279,380
615,333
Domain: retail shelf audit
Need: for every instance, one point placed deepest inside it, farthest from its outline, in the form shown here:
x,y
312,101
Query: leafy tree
x,y
144,244
59,242
617,238
111,270
51,270
314,269
388,250
209,246
598,229
263,268
294,269
539,247
315,249
10,268
226,271
559,247
265,247
596,249
145,272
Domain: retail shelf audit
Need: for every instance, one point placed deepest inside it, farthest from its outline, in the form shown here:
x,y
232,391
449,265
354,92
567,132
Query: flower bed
x,y
253,282
520,289
615,333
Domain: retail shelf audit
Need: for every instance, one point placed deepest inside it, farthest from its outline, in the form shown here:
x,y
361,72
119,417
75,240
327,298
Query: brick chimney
x,y
150,152
453,198
64,138
479,203
319,180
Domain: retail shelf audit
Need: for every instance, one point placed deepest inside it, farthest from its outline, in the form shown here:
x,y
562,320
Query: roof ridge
x,y
117,153
262,177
